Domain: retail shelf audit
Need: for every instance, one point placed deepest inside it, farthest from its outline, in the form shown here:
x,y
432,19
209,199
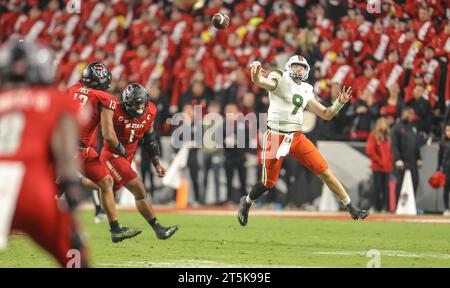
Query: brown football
x,y
220,21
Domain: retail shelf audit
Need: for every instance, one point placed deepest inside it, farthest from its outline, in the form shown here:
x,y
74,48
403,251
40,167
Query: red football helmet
x,y
437,180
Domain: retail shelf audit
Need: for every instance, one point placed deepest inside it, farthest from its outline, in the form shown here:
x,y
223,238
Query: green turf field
x,y
219,241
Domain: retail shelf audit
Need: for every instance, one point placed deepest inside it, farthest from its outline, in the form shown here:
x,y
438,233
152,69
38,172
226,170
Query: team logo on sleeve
x,y
149,116
120,118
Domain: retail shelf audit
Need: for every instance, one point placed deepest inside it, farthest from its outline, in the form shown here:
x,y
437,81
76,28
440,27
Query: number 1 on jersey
x,y
131,136
297,100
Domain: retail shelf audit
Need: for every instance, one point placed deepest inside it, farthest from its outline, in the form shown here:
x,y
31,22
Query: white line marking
x,y
389,253
194,264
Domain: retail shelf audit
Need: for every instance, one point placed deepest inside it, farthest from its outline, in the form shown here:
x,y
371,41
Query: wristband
x,y
336,107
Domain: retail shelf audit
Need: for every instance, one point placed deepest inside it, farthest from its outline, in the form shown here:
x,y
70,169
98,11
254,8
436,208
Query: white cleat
x,y
100,217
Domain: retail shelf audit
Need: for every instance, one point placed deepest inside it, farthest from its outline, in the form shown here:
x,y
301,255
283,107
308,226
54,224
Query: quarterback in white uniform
x,y
289,96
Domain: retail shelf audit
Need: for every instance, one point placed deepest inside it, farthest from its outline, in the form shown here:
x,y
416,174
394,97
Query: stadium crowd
x,y
393,53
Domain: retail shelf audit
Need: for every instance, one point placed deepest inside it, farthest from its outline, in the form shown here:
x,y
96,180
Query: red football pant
x,y
119,168
38,215
93,168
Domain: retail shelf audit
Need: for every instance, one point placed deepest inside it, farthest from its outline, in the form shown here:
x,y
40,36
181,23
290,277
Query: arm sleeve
x,y
151,145
277,75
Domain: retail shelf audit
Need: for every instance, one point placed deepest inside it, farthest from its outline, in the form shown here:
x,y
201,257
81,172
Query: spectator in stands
x,y
237,88
363,113
308,48
391,72
198,94
369,81
391,107
406,144
333,130
193,163
235,157
444,166
212,151
340,72
422,110
66,69
380,153
432,68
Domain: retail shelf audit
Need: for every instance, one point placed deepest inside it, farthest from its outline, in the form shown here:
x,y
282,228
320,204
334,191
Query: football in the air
x,y
220,21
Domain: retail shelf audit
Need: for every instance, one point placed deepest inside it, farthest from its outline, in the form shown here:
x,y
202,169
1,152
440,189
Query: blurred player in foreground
x,y
38,138
289,96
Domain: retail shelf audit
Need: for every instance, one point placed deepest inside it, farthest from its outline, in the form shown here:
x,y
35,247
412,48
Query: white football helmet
x,y
297,59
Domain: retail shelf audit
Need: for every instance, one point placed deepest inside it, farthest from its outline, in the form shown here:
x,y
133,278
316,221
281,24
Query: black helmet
x,y
132,96
26,62
96,75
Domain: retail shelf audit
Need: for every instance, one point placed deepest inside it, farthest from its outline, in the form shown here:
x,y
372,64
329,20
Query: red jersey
x,y
130,130
94,100
28,117
380,154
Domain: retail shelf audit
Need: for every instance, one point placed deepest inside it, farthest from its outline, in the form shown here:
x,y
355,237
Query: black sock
x,y
96,200
114,225
257,190
98,209
154,223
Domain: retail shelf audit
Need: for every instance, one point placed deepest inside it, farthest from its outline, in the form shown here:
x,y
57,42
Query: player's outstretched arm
x,y
328,113
259,79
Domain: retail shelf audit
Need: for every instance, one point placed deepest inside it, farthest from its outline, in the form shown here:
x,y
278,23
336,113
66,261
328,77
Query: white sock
x,y
249,201
346,201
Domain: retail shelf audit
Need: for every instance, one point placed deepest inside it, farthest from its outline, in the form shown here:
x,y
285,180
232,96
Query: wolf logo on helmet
x,y
300,60
96,75
100,70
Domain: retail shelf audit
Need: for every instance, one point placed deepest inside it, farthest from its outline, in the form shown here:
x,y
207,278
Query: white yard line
x,y
191,264
390,253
